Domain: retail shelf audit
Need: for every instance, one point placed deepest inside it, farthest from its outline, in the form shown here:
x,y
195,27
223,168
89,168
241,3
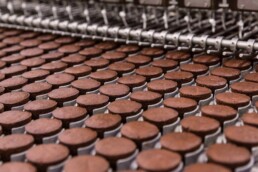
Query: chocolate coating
x,y
63,94
252,77
52,56
86,163
78,71
37,88
179,77
228,155
195,69
139,131
160,116
195,92
12,84
248,88
14,119
114,91
86,85
98,63
234,100
250,119
205,167
167,161
36,75
238,64
104,75
227,73
91,52
146,97
152,52
60,79
124,108
39,107
200,125
13,144
114,56
178,55
149,72
165,64
17,167
181,104
103,122
132,80
139,60
92,101
14,99
114,148
219,112
162,86
181,143
75,138
205,59
47,155
246,136
211,82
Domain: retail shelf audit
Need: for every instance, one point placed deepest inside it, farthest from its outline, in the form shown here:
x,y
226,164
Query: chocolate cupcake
x,y
164,87
46,37
153,52
14,144
219,112
38,108
248,88
195,92
195,69
150,73
77,138
140,132
60,80
125,108
113,56
104,124
205,167
69,49
178,56
227,73
32,52
17,167
122,68
181,105
14,100
208,60
86,85
165,65
69,115
168,161
33,62
93,102
30,43
97,64
73,59
43,129
14,70
238,64
250,119
180,77
160,117
54,67
65,40
251,77
37,90
246,136
85,43
48,46
104,76
146,98
12,49
12,40
182,143
212,82
47,155
134,82
13,59
64,96
52,56
200,125
234,100
106,46
115,91
139,60
228,155
91,52
14,120
86,163
114,149
79,71
11,84
36,75
128,49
